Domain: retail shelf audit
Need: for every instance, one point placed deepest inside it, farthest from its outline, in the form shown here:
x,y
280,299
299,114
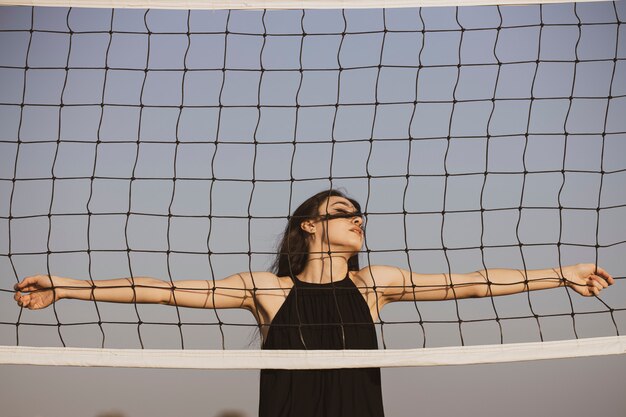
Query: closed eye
x,y
344,214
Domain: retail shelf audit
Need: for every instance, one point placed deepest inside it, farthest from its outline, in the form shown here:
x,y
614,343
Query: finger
x,y
18,297
601,280
605,275
589,288
30,284
26,282
31,288
25,289
596,285
23,301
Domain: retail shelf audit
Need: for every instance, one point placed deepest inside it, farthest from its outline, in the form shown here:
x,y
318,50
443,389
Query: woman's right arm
x,y
40,291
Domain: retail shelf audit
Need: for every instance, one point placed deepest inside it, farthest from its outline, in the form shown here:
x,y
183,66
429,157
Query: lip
x,y
357,230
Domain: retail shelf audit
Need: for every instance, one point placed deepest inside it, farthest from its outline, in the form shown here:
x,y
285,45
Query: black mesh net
x,y
176,144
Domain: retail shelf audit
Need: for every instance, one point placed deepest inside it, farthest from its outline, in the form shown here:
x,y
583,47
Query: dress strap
x,y
293,279
299,283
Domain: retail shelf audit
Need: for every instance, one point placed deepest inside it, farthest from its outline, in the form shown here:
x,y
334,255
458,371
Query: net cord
x,y
274,4
302,359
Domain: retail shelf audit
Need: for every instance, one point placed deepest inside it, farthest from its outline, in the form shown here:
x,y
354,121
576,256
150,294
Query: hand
x,y
43,290
587,279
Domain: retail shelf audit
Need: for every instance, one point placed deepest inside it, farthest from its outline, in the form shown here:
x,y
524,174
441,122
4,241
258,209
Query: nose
x,y
358,220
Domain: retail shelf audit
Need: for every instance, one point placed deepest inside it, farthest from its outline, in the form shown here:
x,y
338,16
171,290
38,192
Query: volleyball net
x,y
176,144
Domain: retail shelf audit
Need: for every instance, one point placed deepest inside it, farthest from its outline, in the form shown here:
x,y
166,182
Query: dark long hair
x,y
293,249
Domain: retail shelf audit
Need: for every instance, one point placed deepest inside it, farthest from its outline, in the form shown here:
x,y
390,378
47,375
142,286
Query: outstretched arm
x,y
40,291
585,279
400,285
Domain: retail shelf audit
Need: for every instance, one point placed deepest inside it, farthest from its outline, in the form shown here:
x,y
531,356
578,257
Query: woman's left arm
x,y
585,279
397,284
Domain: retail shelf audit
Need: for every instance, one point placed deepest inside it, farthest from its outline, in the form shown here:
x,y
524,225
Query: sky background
x,y
184,115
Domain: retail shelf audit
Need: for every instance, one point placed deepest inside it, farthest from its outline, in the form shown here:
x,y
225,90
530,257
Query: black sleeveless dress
x,y
322,316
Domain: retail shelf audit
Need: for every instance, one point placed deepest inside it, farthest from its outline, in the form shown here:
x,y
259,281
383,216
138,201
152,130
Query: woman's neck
x,y
323,269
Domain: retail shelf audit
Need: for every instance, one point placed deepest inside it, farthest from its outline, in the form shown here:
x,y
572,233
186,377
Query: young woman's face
x,y
340,225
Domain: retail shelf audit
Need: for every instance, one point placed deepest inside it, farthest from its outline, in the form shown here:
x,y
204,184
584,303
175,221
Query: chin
x,y
357,248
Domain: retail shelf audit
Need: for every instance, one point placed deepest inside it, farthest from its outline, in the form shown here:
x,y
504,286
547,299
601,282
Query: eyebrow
x,y
343,204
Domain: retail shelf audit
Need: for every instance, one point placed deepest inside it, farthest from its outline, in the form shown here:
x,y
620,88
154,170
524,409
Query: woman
x,y
316,298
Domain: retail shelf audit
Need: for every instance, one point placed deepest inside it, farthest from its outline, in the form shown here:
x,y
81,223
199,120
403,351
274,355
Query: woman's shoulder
x,y
374,275
265,280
